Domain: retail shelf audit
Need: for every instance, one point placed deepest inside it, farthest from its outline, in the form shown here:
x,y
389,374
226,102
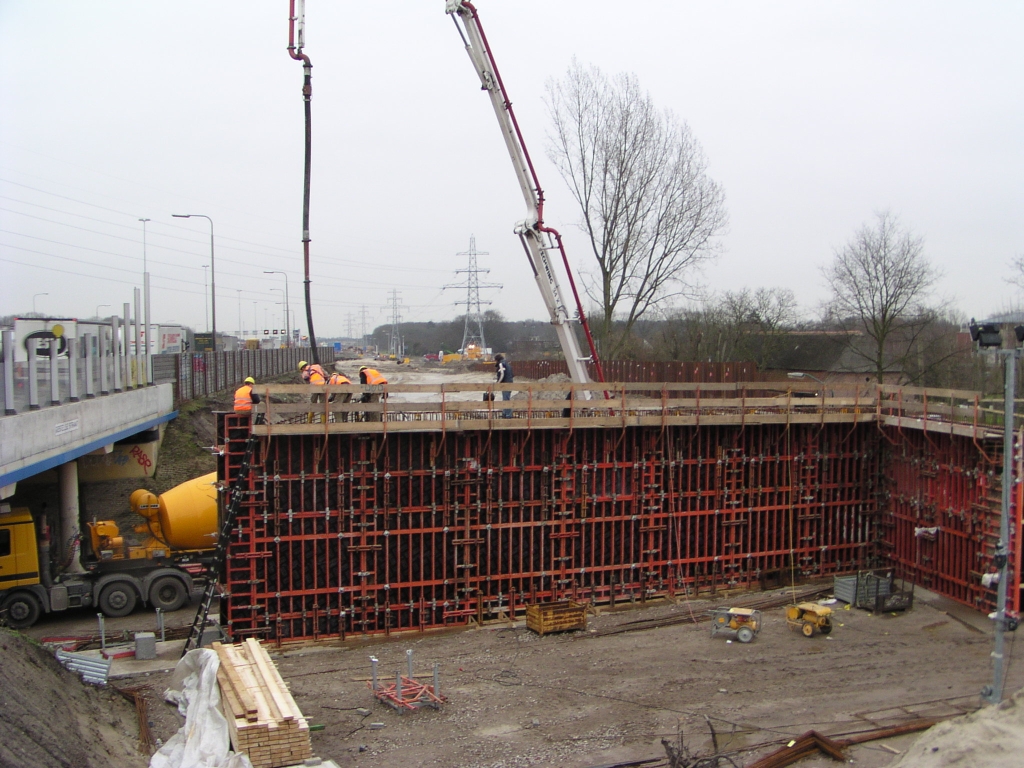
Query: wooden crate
x,y
263,719
556,617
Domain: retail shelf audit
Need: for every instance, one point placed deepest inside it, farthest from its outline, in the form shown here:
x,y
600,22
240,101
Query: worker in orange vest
x,y
245,398
368,375
313,373
335,380
371,376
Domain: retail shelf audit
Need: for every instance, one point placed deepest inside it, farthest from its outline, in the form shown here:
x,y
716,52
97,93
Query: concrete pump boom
x,y
538,239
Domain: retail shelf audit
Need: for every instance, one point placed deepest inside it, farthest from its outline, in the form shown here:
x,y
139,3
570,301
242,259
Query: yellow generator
x,y
809,616
745,622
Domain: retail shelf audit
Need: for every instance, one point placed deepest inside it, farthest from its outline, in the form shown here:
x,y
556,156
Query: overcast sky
x,y
813,115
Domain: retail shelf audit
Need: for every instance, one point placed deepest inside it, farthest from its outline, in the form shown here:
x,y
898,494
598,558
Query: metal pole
x,y
994,693
437,680
213,287
33,378
103,633
101,359
287,316
145,290
90,383
54,373
147,335
140,358
126,350
373,665
8,342
115,354
160,624
408,662
73,370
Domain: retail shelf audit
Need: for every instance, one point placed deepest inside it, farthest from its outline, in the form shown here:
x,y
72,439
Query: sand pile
x,y
992,737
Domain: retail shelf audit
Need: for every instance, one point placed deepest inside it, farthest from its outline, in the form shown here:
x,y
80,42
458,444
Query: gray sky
x,y
813,115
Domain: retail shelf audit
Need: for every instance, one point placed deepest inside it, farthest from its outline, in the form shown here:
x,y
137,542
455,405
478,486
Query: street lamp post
x,y
239,312
280,303
206,301
988,336
34,300
287,321
99,307
145,298
213,276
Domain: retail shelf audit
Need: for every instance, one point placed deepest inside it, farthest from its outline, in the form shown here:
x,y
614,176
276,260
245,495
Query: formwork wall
x,y
354,533
942,504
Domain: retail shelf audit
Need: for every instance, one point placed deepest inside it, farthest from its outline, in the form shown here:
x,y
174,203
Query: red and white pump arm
x,y
538,239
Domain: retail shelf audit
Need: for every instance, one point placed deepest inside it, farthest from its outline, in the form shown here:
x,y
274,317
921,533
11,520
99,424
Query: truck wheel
x,y
22,610
117,599
167,593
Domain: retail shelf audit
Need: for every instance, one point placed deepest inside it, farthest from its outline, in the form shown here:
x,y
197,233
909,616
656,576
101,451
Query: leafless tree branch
x,y
880,281
649,210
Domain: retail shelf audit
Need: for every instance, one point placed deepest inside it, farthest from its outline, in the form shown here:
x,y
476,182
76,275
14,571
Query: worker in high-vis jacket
x,y
371,376
313,373
338,379
245,398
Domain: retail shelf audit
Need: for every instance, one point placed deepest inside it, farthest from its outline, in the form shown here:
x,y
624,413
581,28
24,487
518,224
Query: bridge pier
x,y
70,515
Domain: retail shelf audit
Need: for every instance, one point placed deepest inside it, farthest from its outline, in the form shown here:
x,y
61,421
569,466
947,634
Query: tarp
x,y
203,741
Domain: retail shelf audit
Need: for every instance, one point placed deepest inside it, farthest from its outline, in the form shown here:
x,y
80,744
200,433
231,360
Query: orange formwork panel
x,y
374,533
942,501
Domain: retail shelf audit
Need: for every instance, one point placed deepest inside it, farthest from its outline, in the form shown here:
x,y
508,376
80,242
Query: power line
x,y
375,265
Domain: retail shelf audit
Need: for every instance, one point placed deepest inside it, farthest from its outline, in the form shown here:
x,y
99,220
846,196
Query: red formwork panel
x,y
372,533
943,503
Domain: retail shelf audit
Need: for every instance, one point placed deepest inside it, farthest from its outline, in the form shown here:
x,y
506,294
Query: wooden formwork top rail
x,y
479,406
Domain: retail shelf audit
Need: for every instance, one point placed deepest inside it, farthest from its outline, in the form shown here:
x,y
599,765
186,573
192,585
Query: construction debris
x,y
263,720
808,744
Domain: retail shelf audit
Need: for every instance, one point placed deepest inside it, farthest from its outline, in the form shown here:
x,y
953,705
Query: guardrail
x,y
198,374
89,367
423,408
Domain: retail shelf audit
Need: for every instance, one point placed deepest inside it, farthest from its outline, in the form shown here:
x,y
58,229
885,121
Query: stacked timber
x,y
263,719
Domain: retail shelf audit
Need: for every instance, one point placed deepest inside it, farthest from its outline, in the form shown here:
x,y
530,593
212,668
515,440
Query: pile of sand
x,y
49,718
992,737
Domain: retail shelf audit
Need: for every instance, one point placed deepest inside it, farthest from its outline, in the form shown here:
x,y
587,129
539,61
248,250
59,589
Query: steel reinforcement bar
x,y
372,533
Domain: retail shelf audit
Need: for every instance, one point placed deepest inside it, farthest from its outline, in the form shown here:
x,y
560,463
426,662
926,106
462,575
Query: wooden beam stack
x,y
263,719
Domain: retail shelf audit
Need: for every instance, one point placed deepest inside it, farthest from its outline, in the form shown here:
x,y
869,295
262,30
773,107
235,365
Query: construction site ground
x,y
593,698
579,699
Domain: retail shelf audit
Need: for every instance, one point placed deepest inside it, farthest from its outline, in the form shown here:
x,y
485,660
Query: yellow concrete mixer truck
x,y
180,526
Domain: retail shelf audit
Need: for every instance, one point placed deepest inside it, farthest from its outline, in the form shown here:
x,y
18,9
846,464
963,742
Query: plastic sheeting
x,y
203,741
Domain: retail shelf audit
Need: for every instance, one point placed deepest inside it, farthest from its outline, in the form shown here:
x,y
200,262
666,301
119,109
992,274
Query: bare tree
x,y
880,281
649,208
1017,265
